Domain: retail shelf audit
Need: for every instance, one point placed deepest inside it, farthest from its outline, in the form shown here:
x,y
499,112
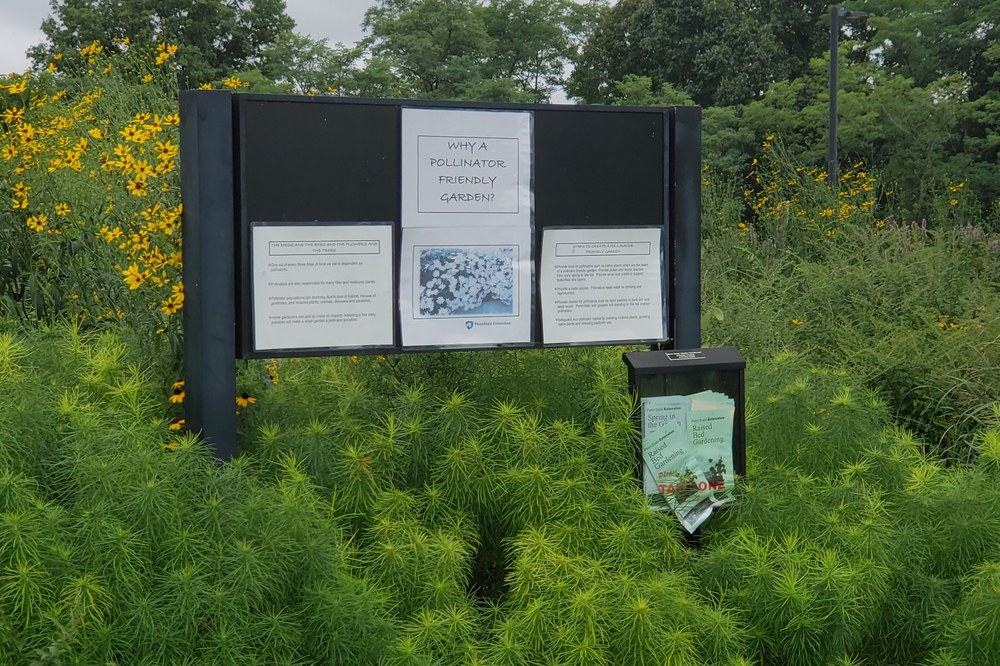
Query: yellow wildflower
x,y
133,276
108,234
19,87
166,150
244,400
136,187
37,222
143,170
92,49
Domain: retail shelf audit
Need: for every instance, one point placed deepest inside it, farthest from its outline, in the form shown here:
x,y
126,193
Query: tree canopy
x,y
217,37
464,49
717,51
919,93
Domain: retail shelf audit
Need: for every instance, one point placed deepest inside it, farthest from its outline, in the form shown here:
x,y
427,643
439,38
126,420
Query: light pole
x,y
837,12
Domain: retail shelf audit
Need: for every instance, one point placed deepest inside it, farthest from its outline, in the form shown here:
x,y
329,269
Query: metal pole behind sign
x,y
831,154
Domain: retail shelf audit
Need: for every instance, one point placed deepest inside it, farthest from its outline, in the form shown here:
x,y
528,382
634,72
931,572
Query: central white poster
x,y
466,168
466,256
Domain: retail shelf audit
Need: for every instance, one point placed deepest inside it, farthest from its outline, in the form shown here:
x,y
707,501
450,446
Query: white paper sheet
x,y
465,286
466,168
601,285
318,286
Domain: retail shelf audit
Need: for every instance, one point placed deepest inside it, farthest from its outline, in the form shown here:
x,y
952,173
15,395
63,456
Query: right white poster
x,y
601,285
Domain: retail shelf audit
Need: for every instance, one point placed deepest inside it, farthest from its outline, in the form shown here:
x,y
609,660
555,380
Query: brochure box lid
x,y
684,360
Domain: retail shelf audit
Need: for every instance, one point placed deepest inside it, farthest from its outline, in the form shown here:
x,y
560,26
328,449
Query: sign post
x,y
208,228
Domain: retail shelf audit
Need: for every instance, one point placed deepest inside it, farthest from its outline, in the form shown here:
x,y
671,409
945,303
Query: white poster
x,y
465,286
318,286
601,285
466,168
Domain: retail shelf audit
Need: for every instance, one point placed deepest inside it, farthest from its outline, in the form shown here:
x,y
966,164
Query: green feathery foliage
x,y
383,519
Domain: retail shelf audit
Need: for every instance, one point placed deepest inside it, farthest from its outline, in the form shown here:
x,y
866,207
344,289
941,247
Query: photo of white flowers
x,y
466,281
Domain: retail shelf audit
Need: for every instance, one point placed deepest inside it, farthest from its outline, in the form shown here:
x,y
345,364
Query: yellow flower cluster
x,y
18,86
948,322
779,194
78,171
234,82
164,52
955,190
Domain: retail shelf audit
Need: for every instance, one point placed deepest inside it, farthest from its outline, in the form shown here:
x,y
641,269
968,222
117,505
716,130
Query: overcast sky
x,y
336,20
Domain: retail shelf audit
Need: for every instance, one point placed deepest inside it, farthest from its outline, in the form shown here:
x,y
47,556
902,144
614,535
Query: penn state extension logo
x,y
469,324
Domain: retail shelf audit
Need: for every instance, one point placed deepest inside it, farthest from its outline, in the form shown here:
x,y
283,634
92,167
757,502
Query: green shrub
x,y
422,526
912,314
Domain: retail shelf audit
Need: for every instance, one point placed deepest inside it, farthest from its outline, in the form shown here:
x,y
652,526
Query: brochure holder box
x,y
692,416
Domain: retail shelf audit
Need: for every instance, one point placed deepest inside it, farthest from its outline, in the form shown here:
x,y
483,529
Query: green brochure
x,y
710,435
659,410
655,413
687,453
664,454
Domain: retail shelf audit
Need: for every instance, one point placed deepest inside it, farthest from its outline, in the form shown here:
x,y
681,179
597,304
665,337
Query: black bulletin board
x,y
250,158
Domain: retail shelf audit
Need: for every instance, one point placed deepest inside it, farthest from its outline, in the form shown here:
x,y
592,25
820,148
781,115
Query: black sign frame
x,y
252,158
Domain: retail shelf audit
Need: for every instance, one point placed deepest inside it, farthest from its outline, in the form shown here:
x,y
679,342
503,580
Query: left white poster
x,y
465,287
322,286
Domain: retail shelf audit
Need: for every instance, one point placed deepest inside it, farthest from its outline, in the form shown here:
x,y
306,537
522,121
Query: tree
x,y
306,66
215,37
925,40
635,90
718,51
436,46
954,46
533,41
504,50
904,131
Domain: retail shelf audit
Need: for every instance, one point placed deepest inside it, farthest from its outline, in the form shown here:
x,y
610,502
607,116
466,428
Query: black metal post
x,y
831,154
209,268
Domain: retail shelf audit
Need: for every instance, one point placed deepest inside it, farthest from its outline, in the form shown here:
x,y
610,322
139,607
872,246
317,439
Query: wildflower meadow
x,y
481,508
